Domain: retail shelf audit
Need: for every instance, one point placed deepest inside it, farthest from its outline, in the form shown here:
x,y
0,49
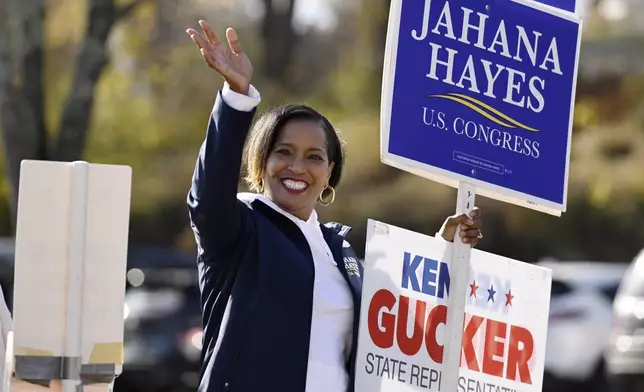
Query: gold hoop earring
x,y
321,198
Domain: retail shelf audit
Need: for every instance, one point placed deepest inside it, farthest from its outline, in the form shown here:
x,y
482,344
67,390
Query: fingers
x,y
461,219
468,227
475,213
197,38
469,230
469,234
210,33
203,45
212,39
233,41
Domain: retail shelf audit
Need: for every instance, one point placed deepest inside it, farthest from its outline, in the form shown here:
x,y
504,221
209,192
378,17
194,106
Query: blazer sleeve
x,y
216,214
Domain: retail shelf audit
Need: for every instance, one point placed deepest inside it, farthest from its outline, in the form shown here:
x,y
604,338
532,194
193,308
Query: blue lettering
x,y
443,281
429,276
435,280
409,271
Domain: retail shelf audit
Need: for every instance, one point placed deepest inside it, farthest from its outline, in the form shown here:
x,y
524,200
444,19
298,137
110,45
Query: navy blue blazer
x,y
256,273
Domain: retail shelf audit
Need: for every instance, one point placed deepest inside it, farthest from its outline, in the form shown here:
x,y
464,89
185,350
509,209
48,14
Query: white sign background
x,y
497,277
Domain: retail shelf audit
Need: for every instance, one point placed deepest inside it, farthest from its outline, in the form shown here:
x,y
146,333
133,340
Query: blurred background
x,y
119,81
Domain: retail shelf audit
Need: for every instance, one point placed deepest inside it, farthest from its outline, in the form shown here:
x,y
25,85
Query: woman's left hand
x,y
470,227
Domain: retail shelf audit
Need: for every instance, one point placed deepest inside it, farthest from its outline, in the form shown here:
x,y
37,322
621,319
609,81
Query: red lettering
x,y
383,338
469,352
382,333
410,346
518,357
494,329
437,316
384,326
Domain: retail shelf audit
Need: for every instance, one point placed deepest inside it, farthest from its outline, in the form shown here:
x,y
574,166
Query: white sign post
x,y
70,265
460,265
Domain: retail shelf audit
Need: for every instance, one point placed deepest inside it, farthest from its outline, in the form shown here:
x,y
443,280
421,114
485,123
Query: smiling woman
x,y
280,291
294,156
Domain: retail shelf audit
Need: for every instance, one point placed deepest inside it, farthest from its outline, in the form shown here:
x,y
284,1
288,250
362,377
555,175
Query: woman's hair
x,y
264,134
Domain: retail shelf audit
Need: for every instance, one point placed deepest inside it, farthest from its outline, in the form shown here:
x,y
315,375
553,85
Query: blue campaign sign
x,y
482,92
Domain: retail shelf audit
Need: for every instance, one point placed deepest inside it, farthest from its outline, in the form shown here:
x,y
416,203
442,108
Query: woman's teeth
x,y
295,185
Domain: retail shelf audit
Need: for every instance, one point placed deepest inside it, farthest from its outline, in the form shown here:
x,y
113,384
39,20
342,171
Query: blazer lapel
x,y
347,262
287,226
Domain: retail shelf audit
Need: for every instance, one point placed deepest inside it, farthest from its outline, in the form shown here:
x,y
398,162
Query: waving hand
x,y
229,61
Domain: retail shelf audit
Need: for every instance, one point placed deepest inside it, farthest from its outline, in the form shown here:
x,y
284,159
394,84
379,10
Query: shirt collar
x,y
313,219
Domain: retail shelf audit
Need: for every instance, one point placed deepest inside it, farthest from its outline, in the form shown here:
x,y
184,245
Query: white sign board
x,y
70,264
403,314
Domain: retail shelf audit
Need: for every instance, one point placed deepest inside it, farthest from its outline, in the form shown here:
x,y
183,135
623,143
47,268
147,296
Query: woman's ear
x,y
260,183
331,166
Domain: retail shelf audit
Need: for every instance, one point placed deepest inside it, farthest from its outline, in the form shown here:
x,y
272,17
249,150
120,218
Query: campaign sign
x,y
403,314
482,92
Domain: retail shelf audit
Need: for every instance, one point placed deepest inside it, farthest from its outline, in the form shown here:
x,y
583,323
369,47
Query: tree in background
x,y
22,95
23,43
279,38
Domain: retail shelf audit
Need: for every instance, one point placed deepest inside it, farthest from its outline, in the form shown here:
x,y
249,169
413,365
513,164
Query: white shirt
x,y
332,313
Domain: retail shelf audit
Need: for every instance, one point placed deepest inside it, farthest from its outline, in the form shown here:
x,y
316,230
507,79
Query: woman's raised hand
x,y
229,61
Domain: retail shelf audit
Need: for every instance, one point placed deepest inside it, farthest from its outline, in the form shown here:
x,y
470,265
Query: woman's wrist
x,y
239,101
240,88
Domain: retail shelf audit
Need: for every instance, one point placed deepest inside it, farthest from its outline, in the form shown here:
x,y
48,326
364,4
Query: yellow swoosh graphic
x,y
476,109
498,113
469,102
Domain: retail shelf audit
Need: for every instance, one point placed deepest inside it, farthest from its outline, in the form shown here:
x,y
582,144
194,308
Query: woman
x,y
280,311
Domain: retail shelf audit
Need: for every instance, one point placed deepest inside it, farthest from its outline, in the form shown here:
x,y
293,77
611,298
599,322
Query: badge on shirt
x,y
351,266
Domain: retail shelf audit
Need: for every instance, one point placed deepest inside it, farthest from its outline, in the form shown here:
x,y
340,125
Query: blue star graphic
x,y
490,293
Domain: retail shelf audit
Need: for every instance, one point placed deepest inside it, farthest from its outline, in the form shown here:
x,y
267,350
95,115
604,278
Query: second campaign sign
x,y
482,92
